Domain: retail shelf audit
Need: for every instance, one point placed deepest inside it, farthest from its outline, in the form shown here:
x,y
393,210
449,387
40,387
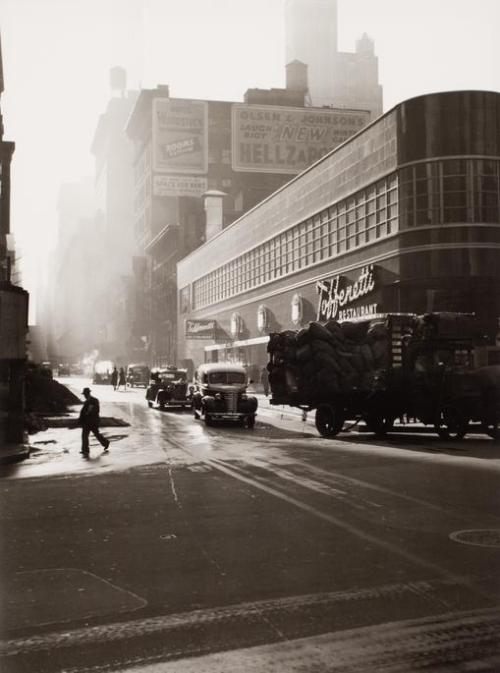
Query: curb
x,y
14,453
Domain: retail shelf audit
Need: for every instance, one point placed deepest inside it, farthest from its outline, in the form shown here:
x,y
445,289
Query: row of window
x,y
435,192
369,215
450,191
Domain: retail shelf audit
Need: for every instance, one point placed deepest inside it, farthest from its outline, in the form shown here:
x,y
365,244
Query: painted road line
x,y
248,478
265,609
238,473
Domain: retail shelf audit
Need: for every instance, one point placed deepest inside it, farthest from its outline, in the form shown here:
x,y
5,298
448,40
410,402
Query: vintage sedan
x,y
137,375
169,388
220,394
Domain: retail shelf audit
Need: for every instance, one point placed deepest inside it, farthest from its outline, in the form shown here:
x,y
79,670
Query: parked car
x,y
138,375
102,371
63,370
169,388
220,394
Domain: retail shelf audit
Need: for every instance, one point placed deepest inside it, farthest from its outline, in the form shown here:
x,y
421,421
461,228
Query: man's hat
x,y
86,390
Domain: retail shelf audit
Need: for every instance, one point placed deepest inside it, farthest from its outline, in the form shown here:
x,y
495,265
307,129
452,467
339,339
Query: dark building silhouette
x,y
13,310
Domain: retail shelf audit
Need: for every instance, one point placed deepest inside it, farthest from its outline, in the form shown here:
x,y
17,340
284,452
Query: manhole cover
x,y
482,537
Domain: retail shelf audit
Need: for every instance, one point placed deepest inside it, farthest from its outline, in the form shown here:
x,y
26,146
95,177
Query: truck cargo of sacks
x,y
319,360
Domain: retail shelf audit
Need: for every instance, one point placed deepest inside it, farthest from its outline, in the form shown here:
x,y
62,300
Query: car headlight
x,y
218,396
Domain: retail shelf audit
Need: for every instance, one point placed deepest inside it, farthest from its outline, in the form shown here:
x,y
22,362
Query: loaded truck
x,y
380,368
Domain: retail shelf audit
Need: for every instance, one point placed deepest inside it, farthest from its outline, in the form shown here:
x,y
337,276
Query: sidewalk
x,y
14,452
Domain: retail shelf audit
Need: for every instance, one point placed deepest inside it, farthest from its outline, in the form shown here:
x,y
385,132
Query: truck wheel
x,y
208,420
452,425
250,422
379,424
329,420
150,404
492,430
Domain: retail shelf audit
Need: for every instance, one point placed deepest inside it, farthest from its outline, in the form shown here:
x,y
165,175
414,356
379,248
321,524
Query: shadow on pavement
x,y
482,447
70,422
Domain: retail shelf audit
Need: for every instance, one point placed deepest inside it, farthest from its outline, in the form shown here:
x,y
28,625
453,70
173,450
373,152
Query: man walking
x,y
264,379
89,420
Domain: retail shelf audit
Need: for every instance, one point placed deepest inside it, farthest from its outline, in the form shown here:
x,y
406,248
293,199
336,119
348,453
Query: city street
x,y
189,548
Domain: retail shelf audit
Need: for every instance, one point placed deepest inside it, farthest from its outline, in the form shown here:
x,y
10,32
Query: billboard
x,y
179,185
272,139
180,136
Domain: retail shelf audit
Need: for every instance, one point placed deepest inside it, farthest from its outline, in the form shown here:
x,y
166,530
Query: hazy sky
x,y
57,55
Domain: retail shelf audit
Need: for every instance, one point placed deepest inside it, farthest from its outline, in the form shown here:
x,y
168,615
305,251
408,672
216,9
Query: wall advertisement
x,y
179,185
272,139
180,136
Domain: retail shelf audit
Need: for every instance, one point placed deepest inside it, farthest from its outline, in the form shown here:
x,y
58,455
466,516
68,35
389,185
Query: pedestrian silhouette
x,y
122,381
114,378
89,420
264,379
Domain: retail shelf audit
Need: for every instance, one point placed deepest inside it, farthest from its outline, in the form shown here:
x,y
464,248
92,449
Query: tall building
x,y
114,225
337,79
89,293
13,310
71,313
201,164
311,37
403,217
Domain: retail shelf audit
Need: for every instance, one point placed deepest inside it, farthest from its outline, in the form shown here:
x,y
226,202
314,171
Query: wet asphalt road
x,y
189,548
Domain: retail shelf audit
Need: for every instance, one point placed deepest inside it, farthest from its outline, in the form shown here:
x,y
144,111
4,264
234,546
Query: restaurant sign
x,y
338,296
200,329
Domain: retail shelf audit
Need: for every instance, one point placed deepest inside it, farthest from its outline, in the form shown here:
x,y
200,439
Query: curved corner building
x,y
404,216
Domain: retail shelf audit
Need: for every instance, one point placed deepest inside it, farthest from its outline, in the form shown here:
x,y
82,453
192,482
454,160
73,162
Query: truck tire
x,y
250,422
208,420
452,425
379,424
329,420
492,430
150,404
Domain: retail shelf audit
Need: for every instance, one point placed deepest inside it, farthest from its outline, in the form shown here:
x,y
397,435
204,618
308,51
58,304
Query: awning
x,y
238,344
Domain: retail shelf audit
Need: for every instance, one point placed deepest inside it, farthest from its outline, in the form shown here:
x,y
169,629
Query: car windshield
x,y
226,377
174,376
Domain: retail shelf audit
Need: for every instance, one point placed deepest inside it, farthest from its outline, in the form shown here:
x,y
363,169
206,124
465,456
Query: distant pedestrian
x,y
122,380
264,379
89,420
114,378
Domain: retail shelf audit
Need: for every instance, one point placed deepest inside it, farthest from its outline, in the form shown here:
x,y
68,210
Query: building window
x,y
370,214
449,191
